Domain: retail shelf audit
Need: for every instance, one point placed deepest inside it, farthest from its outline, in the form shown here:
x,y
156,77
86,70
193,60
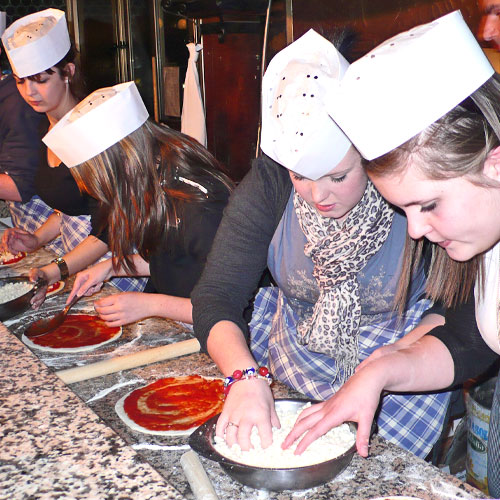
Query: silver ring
x,y
231,424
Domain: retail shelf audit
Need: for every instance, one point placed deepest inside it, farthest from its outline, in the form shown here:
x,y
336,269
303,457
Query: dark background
x,y
233,47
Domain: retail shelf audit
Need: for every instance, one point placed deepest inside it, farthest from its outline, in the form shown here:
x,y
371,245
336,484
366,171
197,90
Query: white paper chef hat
x,y
3,22
102,119
36,42
407,83
297,131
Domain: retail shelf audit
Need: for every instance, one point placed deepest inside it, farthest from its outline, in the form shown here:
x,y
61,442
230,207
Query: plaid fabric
x,y
493,462
31,215
126,284
413,422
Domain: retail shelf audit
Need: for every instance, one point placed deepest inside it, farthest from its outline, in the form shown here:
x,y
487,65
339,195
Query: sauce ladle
x,y
45,325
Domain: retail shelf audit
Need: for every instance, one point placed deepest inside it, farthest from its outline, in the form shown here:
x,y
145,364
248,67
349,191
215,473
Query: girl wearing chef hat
x,y
423,108
48,78
19,135
333,246
162,194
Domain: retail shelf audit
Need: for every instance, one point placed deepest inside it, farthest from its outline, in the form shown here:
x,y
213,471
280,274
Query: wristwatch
x,y
63,267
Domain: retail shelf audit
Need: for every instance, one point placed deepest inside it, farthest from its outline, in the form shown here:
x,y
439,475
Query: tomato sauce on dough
x,y
16,258
78,330
175,403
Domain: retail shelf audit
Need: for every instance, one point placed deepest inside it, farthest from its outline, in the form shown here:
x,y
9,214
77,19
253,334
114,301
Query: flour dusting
x,y
105,392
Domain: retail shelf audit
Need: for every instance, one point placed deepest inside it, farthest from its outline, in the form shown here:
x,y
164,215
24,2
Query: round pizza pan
x,y
278,479
19,304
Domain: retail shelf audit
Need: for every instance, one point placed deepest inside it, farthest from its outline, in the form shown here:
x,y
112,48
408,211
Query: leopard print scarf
x,y
339,252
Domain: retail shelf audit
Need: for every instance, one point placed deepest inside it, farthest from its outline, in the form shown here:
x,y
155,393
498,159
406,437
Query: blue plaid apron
x,y
413,422
74,229
493,462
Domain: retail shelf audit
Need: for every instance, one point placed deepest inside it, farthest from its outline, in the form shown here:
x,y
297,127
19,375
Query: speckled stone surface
x,y
389,471
54,446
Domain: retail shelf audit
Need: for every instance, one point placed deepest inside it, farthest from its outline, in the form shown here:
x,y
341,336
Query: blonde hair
x,y
456,145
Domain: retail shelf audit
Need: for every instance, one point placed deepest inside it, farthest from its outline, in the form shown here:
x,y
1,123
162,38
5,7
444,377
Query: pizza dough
x,y
12,291
327,447
78,333
7,258
55,288
173,406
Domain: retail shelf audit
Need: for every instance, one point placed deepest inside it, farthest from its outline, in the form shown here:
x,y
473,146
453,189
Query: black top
x,y
176,268
19,138
460,334
229,284
59,190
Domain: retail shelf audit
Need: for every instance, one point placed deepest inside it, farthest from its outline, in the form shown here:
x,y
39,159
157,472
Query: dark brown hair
x,y
140,183
77,85
456,145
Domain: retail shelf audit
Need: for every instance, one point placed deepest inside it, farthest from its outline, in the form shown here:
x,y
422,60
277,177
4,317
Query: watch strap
x,y
63,267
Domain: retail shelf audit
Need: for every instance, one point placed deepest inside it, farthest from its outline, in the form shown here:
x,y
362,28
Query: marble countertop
x,y
62,441
389,470
54,446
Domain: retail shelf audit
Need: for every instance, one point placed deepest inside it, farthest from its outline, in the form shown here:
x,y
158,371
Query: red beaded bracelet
x,y
262,373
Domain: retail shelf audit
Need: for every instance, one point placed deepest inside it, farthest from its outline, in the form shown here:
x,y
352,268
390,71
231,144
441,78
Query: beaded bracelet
x,y
262,373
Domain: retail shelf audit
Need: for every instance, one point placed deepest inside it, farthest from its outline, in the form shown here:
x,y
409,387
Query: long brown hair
x,y
139,182
456,145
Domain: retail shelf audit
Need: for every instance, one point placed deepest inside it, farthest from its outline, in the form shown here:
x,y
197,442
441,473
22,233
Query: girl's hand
x,y
124,308
16,240
356,401
38,299
249,403
91,280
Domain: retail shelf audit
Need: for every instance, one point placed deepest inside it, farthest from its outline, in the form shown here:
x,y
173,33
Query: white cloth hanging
x,y
3,21
193,112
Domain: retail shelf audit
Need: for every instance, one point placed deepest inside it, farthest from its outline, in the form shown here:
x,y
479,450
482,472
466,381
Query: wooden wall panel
x,y
232,96
375,21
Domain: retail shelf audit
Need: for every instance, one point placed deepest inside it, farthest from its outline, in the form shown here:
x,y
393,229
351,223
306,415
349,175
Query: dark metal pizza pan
x,y
279,479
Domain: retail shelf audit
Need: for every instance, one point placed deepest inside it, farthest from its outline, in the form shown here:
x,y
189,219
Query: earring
x,y
66,80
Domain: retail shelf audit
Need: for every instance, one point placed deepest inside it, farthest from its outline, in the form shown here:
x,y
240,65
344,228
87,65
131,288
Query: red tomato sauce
x,y
17,258
175,403
78,330
55,286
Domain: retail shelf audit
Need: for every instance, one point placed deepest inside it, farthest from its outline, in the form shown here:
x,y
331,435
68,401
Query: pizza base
x,y
15,260
58,286
85,348
29,343
120,411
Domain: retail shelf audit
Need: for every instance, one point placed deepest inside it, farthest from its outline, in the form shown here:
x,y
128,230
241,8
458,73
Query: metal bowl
x,y
296,478
21,303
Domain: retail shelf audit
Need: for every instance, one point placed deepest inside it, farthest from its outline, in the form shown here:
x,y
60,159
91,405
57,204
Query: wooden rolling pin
x,y
129,361
198,480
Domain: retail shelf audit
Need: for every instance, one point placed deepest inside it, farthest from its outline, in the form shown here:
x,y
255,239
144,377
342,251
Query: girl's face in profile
x,y
459,216
339,191
45,92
